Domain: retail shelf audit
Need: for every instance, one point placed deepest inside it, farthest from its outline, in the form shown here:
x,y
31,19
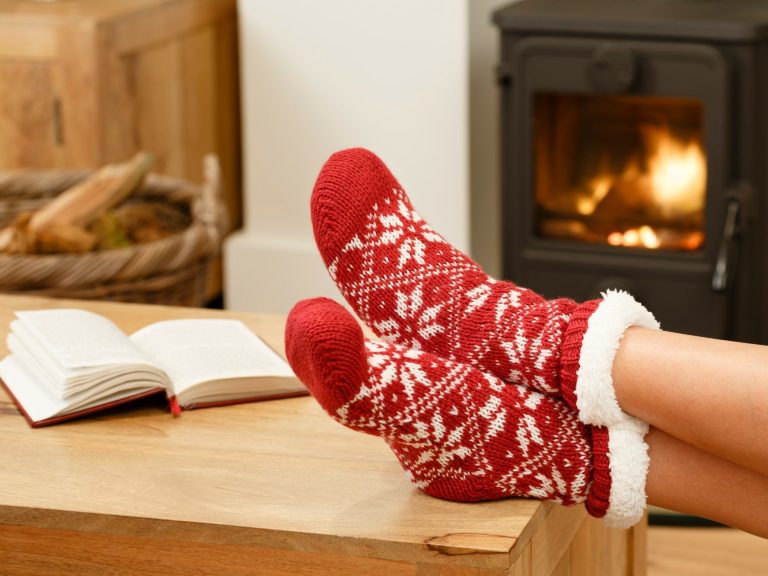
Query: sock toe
x,y
349,183
325,347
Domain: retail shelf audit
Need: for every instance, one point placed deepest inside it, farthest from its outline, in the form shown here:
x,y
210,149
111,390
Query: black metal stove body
x,y
576,73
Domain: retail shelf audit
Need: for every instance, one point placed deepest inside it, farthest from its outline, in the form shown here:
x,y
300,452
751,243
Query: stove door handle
x,y
725,255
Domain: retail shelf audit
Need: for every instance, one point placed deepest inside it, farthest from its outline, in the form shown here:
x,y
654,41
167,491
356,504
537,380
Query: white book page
x,y
77,339
35,365
38,401
196,351
41,403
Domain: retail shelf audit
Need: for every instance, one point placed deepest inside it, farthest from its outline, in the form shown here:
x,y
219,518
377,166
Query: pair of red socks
x,y
482,389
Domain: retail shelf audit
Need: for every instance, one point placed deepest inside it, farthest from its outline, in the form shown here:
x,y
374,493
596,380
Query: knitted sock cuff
x,y
590,343
620,454
599,495
570,351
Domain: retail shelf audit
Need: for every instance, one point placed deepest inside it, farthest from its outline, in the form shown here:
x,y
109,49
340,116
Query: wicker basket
x,y
173,270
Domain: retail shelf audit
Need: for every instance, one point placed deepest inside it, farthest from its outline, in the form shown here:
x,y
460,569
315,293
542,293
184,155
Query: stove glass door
x,y
620,170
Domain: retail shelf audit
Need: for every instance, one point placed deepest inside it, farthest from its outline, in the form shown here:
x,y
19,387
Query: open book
x,y
65,363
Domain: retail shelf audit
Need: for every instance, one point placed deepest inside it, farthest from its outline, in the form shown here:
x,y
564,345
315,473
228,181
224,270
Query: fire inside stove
x,y
620,170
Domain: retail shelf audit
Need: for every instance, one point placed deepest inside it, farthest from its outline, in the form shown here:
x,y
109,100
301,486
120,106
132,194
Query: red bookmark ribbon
x,y
174,404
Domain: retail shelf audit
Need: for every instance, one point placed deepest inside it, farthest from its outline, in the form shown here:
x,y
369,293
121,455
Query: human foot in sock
x,y
459,433
413,288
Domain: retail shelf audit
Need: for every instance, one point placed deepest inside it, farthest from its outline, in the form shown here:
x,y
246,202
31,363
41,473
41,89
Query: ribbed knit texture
x,y
414,289
598,499
570,349
459,433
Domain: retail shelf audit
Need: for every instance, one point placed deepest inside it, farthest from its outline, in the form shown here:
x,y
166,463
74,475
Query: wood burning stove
x,y
634,155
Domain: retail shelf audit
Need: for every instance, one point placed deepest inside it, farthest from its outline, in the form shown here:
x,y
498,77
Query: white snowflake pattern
x,y
403,228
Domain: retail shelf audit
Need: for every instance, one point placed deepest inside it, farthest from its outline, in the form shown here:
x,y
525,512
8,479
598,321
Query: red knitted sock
x,y
413,288
459,433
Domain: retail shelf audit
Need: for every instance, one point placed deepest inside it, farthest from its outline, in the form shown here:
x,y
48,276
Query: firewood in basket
x,y
59,238
150,221
110,232
19,241
94,196
76,206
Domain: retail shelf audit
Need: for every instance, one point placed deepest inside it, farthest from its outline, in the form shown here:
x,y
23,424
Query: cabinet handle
x,y
58,124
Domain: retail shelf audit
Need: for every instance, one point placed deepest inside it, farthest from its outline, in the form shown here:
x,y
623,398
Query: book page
x,y
195,351
41,403
77,339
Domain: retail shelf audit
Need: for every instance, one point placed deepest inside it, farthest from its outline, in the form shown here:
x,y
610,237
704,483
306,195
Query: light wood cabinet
x,y
86,82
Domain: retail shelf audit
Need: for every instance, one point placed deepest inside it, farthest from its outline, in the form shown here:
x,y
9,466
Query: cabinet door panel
x,y
159,109
178,99
28,134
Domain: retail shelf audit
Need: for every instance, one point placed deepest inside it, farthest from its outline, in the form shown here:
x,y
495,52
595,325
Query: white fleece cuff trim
x,y
595,396
628,458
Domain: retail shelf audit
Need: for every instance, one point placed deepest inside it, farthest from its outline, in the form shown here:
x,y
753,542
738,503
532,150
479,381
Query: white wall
x,y
392,76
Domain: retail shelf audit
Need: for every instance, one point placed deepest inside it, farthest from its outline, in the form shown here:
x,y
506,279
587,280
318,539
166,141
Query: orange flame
x,y
678,172
644,237
671,181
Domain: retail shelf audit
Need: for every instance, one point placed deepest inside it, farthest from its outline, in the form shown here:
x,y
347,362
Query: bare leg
x,y
712,394
689,480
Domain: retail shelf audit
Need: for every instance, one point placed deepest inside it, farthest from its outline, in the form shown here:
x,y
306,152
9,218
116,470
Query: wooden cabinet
x,y
86,82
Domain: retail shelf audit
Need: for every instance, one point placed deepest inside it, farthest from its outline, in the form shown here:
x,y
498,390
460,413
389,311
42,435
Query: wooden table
x,y
268,488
